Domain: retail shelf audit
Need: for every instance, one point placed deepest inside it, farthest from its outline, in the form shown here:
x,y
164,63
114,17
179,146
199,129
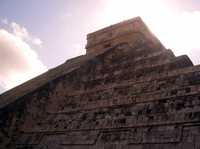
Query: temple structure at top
x,y
132,31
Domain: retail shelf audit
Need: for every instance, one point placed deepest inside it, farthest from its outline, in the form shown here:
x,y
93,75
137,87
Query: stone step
x,y
111,98
180,77
174,111
134,74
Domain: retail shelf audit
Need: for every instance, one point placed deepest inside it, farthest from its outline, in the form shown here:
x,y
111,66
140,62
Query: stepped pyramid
x,y
127,92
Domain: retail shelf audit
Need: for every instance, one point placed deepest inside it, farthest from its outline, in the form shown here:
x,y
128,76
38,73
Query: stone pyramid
x,y
127,92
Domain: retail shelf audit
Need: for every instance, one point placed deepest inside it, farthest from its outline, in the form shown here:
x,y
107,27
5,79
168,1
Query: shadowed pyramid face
x,y
133,93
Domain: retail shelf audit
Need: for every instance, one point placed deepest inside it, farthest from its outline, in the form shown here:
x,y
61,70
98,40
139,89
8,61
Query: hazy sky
x,y
36,35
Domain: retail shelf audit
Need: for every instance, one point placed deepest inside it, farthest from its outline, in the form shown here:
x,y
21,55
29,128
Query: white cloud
x,y
19,62
22,32
37,41
19,31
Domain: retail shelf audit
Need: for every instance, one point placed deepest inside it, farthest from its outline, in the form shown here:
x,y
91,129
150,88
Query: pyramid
x,y
127,92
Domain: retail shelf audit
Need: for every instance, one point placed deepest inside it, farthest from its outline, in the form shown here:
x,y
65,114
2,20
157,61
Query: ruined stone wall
x,y
129,97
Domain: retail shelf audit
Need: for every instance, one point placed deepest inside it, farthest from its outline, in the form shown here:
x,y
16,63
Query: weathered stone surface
x,y
128,91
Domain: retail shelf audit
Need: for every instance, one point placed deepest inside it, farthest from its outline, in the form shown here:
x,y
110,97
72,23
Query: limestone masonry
x,y
127,92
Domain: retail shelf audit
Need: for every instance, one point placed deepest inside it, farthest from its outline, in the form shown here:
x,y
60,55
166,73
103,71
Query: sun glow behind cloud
x,y
178,31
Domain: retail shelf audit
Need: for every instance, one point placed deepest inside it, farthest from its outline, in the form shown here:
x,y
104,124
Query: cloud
x,y
21,32
19,62
37,41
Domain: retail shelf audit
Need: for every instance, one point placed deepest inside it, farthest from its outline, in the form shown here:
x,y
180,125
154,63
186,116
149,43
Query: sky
x,y
37,35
